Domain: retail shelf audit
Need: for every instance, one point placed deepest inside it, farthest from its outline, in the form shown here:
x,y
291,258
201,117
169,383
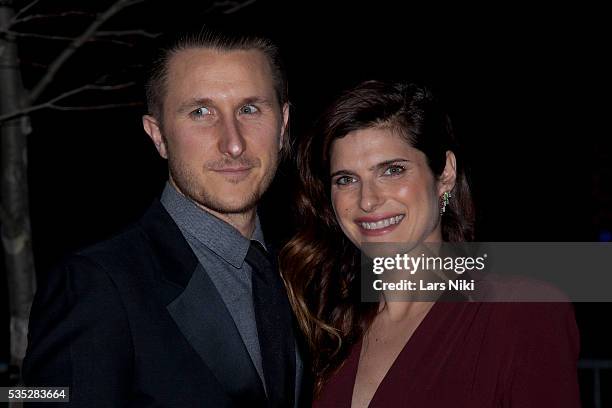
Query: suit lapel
x,y
202,317
198,310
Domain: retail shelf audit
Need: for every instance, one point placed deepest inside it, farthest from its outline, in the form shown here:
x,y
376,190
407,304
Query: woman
x,y
383,167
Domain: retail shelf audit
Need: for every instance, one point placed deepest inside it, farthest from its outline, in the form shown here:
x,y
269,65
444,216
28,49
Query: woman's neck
x,y
397,311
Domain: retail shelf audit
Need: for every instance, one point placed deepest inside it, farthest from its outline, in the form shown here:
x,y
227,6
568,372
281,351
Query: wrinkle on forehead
x,y
214,74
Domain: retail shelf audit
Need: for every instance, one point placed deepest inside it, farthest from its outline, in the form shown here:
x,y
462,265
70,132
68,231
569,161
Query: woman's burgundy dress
x,y
477,355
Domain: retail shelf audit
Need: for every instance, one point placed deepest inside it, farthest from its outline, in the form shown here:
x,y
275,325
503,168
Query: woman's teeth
x,y
382,223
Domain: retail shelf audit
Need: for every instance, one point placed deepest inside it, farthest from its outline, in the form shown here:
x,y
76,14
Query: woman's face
x,y
383,190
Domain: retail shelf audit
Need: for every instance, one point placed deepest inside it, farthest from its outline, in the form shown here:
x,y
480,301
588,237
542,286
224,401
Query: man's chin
x,y
245,203
224,197
236,208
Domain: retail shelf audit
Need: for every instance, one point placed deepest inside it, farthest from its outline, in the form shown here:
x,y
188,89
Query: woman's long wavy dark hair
x,y
319,264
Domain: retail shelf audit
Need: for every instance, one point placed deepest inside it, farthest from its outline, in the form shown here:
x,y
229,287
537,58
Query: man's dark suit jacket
x,y
123,324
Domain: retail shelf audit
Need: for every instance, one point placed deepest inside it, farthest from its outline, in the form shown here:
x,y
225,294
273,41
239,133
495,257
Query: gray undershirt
x,y
221,250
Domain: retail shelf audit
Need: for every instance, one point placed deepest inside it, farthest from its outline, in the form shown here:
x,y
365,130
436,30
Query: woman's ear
x,y
446,181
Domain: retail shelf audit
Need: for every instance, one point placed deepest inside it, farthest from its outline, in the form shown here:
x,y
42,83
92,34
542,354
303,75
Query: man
x,y
185,308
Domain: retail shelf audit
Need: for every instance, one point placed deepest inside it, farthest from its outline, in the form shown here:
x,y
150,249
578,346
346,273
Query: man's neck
x,y
244,222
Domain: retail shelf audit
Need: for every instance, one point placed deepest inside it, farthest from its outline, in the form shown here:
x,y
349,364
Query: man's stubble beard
x,y
188,184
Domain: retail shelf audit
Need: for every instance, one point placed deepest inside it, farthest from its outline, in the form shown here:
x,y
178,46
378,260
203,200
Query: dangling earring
x,y
446,196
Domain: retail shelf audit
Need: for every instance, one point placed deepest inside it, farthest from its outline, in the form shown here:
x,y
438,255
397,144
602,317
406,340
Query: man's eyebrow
x,y
194,103
198,102
257,100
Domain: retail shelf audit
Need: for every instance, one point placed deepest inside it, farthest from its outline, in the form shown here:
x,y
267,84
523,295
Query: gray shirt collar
x,y
216,234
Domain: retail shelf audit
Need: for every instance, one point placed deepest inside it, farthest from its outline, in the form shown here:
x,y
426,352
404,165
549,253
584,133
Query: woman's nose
x,y
370,198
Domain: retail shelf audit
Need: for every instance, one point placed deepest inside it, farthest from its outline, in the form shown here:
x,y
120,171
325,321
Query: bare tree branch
x,y
23,11
36,35
50,16
52,103
117,42
30,63
239,6
99,37
133,2
123,33
96,107
231,6
76,44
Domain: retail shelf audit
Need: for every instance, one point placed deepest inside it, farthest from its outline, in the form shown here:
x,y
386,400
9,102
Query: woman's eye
x,y
200,112
249,109
344,180
394,170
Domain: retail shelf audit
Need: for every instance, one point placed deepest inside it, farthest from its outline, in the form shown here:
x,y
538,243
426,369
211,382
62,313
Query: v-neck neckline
x,y
412,344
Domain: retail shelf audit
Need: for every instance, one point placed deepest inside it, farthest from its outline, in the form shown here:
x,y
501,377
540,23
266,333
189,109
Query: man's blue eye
x,y
394,170
200,112
249,109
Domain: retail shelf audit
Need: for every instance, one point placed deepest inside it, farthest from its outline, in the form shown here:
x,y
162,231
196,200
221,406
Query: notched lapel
x,y
202,317
199,312
174,260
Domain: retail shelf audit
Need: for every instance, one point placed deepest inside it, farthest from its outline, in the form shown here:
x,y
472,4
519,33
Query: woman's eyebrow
x,y
387,162
342,172
374,167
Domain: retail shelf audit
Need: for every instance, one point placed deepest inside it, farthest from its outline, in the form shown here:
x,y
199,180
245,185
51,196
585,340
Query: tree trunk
x,y
14,207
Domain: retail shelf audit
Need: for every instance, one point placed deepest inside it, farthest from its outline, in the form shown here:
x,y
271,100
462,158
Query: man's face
x,y
222,127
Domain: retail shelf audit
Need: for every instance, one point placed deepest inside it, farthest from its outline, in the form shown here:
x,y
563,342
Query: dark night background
x,y
527,89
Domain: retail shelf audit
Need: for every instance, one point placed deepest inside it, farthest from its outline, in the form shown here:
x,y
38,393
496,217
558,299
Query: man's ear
x,y
446,181
285,127
151,126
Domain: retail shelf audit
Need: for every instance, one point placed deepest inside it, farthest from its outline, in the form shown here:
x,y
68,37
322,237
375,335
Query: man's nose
x,y
371,197
231,141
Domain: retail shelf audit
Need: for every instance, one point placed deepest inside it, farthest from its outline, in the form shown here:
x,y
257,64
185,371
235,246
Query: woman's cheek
x,y
403,191
342,210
